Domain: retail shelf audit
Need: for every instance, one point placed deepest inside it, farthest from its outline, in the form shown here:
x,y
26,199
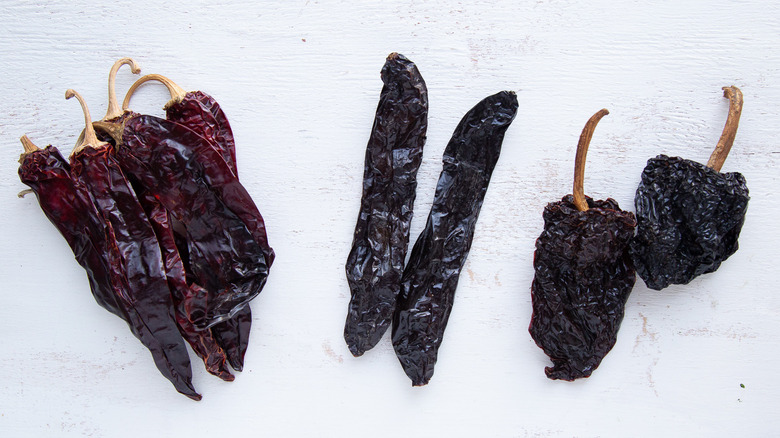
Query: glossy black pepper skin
x,y
583,277
431,276
689,217
393,156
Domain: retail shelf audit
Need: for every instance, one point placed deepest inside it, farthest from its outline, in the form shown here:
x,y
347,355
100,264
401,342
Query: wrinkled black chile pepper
x,y
583,277
431,276
393,156
689,217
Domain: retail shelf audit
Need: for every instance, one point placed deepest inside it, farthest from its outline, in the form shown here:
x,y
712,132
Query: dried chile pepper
x,y
204,343
201,113
583,276
197,111
689,216
228,243
431,275
393,156
133,255
73,214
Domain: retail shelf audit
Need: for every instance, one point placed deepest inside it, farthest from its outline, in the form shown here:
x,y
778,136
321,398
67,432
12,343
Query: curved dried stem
x,y
114,110
90,139
177,93
718,157
579,160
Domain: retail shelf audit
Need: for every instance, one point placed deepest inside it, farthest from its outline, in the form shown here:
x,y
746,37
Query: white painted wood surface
x,y
300,81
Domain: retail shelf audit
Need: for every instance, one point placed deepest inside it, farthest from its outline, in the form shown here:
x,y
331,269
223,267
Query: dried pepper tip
x,y
177,93
579,160
114,110
90,138
718,157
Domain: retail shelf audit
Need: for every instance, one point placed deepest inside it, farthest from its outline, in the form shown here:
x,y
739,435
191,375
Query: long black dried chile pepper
x,y
393,156
134,257
689,216
583,276
201,113
431,276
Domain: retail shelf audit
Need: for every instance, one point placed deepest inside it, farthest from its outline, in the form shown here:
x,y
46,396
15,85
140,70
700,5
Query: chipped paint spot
x,y
330,353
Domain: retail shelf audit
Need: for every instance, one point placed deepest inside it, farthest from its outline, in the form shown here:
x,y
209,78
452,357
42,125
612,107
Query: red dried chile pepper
x,y
431,275
133,255
197,111
583,276
72,212
228,246
201,113
203,342
689,216
393,156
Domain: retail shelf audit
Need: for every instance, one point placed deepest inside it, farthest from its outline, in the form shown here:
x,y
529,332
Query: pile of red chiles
x,y
154,212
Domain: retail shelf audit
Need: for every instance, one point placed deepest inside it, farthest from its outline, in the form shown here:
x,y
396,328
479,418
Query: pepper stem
x,y
114,110
723,148
579,160
29,146
90,139
177,93
114,129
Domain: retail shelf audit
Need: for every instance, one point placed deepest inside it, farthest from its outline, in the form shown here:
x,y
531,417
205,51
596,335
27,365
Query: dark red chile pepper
x,y
201,113
393,156
431,276
134,257
204,343
228,247
689,216
583,276
197,111
73,214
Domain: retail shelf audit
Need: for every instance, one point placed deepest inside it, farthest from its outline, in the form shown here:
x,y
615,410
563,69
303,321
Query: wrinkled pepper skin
x,y
203,342
376,261
689,217
431,276
201,113
136,264
74,215
228,246
583,277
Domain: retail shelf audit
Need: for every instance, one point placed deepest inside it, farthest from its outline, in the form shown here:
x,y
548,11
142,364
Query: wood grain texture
x,y
299,81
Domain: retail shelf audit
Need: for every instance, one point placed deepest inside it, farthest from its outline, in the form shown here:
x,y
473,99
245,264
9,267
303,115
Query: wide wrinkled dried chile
x,y
689,216
583,277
